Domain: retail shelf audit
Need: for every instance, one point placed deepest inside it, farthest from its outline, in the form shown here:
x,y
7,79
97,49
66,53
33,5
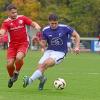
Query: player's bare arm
x,y
77,41
36,26
2,32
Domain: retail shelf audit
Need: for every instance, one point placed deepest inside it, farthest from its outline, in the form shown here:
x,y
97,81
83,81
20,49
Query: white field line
x,y
94,73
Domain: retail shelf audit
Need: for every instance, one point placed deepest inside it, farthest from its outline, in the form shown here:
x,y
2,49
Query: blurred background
x,y
81,72
83,15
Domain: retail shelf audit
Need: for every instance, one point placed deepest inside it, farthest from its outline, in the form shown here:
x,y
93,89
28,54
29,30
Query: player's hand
x,y
2,32
42,50
77,50
37,27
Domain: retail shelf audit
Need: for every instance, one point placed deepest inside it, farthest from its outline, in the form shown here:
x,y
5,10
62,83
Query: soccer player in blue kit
x,y
56,36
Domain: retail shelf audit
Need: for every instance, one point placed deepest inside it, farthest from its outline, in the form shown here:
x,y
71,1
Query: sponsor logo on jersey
x,y
56,41
20,21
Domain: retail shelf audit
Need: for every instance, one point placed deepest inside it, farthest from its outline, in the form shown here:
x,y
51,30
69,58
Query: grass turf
x,y
82,72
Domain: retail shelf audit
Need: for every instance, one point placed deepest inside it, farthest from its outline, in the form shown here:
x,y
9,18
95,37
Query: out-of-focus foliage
x,y
29,8
83,15
3,5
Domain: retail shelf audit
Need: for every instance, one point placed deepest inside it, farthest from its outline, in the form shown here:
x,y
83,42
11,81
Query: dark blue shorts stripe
x,y
61,58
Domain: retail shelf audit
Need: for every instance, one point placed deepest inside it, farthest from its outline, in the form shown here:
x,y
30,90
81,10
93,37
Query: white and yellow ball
x,y
59,83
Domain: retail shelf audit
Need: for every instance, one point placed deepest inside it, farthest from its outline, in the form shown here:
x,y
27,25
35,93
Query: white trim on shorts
x,y
55,55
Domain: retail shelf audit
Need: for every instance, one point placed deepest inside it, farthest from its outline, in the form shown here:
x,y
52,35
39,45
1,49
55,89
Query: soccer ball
x,y
59,83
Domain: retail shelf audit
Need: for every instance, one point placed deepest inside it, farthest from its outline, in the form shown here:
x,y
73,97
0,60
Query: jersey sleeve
x,y
43,35
69,30
27,20
4,26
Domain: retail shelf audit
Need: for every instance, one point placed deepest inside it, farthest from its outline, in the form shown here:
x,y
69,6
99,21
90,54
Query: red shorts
x,y
15,48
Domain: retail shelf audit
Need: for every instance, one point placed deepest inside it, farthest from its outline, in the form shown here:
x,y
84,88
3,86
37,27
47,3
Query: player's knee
x,y
10,64
46,66
49,62
46,63
42,66
18,59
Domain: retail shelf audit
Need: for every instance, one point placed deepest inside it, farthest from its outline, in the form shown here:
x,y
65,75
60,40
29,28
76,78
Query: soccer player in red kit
x,y
37,39
15,25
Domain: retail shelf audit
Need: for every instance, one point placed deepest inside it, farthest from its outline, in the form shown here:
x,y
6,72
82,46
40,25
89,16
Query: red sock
x,y
10,70
19,65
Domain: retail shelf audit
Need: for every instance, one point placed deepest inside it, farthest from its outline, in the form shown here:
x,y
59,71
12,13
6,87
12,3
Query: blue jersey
x,y
57,38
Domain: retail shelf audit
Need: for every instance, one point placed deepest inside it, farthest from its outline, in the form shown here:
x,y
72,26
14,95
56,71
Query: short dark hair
x,y
11,6
53,17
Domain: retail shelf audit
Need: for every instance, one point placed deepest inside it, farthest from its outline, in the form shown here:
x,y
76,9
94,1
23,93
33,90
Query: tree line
x,y
83,15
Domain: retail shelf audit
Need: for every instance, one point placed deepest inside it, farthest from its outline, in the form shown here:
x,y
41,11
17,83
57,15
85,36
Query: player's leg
x,y
11,53
10,69
18,65
19,61
54,58
37,74
21,52
49,59
42,67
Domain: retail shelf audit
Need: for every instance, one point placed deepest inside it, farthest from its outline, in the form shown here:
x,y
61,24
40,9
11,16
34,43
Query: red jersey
x,y
17,29
39,35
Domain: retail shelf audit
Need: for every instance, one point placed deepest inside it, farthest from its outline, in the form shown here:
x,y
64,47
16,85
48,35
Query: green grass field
x,y
81,71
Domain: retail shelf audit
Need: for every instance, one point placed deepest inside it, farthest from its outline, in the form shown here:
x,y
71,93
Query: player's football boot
x,y
10,83
42,82
25,81
15,77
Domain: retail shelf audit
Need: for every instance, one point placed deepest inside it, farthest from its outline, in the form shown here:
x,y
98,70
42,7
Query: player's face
x,y
53,24
13,13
